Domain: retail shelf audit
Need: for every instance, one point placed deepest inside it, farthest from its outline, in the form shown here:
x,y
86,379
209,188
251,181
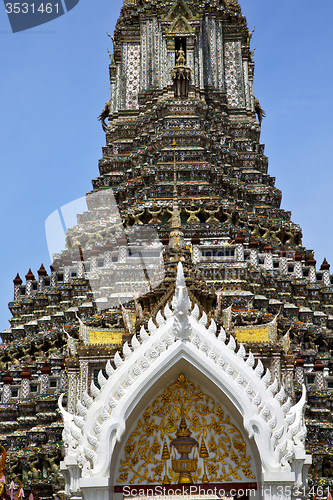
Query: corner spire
x,y
176,234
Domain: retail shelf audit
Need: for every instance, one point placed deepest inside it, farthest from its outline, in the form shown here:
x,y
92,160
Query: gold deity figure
x,y
193,219
154,212
181,60
211,212
136,217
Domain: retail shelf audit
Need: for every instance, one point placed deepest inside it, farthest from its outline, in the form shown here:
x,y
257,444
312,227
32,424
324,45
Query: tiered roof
x,y
243,257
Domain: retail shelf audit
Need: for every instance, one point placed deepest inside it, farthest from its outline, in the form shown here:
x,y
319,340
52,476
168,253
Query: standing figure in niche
x,y
181,75
180,61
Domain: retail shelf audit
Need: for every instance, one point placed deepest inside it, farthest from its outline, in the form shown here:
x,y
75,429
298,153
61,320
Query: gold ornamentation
x,y
184,444
146,457
252,334
180,25
165,456
203,453
105,337
260,333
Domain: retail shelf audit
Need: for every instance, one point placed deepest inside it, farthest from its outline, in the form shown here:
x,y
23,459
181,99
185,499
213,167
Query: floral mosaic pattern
x,y
233,74
132,75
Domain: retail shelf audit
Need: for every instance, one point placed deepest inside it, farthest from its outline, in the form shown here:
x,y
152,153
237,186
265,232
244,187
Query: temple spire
x,y
176,235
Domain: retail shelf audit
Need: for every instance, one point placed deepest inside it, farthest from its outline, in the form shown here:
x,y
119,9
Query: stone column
x,y
17,283
25,384
195,241
289,376
325,267
80,270
268,257
67,269
275,367
253,246
190,42
63,377
312,269
30,278
299,370
246,80
319,376
283,261
7,382
94,252
80,264
72,390
45,375
84,374
53,276
122,242
170,62
201,57
298,271
239,240
41,274
107,249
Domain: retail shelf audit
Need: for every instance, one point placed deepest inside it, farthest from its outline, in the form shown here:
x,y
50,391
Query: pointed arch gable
x,y
182,339
179,7
180,26
155,377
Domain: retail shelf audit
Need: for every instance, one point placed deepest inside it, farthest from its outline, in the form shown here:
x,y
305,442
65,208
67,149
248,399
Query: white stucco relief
x,y
277,428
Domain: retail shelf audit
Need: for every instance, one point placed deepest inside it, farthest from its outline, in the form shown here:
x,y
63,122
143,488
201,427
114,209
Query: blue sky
x,y
54,83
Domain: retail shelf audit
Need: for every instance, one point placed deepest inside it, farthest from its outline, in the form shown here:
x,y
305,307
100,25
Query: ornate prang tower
x,y
183,170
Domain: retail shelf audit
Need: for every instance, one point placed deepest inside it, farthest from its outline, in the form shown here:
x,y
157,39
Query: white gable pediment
x,y
181,336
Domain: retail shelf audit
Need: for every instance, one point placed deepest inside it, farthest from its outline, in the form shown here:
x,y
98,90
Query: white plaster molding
x,y
278,430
